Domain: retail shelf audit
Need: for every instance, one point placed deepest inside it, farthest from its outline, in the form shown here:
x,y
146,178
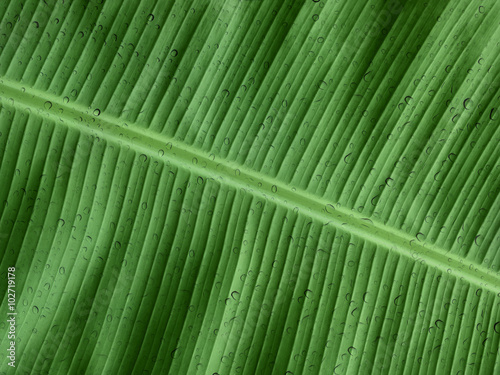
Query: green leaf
x,y
250,187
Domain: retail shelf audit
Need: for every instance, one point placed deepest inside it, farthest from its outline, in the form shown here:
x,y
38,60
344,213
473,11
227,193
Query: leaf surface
x,y
251,186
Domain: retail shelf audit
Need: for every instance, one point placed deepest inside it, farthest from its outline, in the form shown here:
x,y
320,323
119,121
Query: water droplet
x,y
274,188
494,114
48,105
174,53
329,208
35,310
151,17
235,294
315,17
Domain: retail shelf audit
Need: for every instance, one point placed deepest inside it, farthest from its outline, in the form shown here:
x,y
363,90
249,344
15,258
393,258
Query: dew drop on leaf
x,y
174,353
235,295
494,114
477,241
329,208
364,297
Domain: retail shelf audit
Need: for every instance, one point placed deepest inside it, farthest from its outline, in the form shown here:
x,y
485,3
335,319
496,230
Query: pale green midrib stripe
x,y
13,94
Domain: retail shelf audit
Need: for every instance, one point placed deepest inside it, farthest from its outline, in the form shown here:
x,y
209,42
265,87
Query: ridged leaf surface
x,y
251,187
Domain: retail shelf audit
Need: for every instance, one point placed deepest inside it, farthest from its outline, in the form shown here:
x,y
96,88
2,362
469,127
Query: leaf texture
x,y
251,187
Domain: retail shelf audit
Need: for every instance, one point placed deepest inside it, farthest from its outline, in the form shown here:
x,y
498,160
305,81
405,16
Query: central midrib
x,y
14,94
